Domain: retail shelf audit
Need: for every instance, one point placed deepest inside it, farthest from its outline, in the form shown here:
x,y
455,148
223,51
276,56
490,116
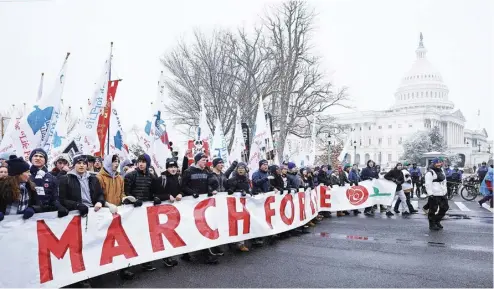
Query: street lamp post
x,y
354,151
329,148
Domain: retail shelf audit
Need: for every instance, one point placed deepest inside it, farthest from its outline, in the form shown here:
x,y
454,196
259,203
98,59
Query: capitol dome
x,y
422,86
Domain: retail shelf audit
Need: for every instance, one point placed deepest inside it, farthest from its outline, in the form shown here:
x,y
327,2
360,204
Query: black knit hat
x,y
262,162
38,151
80,158
198,157
17,166
171,162
217,161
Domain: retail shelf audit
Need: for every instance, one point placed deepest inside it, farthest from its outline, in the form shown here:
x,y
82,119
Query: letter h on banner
x,y
234,216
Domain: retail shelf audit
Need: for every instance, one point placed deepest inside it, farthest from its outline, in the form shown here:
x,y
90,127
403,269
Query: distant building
x,y
421,103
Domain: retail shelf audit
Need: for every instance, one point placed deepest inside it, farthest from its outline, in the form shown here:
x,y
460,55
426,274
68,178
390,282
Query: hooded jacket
x,y
70,190
218,181
238,183
167,185
111,182
369,173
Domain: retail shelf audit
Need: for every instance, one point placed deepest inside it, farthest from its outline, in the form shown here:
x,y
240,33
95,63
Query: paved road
x,y
351,251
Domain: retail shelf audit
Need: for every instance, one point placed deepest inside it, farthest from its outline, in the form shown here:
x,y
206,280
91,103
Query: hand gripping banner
x,y
46,251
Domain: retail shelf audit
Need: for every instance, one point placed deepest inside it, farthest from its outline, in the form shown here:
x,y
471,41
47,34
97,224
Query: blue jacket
x,y
448,172
46,187
369,173
483,187
481,172
294,182
415,172
353,177
260,181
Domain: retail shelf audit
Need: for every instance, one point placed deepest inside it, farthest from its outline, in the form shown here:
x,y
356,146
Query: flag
x,y
40,88
7,144
344,152
117,139
104,117
219,148
37,127
60,134
258,146
87,133
238,146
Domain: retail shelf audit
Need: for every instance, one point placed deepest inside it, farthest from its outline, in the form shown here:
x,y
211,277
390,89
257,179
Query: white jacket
x,y
407,185
434,188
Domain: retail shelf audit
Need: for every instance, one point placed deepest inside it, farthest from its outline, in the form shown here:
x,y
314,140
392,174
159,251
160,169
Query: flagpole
x,y
109,112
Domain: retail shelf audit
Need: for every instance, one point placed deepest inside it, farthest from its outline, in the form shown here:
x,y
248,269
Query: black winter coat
x,y
70,191
395,176
139,185
196,181
172,186
218,181
278,183
46,186
369,173
238,184
323,178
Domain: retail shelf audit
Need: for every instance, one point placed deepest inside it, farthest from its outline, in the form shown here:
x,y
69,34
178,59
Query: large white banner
x,y
46,251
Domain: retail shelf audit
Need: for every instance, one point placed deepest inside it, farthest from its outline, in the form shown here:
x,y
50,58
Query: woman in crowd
x,y
4,172
17,193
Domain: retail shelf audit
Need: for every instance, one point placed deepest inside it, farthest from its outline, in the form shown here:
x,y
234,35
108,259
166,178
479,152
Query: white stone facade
x,y
421,103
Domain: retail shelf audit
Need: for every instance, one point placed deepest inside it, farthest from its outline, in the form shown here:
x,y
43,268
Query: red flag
x,y
104,117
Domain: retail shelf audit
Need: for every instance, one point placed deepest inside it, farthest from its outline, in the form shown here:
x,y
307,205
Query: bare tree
x,y
301,89
203,69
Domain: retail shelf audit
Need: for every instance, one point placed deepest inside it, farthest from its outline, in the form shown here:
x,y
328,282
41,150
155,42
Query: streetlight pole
x,y
354,151
329,148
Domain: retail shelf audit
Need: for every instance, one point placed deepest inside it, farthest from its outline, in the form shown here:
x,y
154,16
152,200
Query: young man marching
x,y
435,184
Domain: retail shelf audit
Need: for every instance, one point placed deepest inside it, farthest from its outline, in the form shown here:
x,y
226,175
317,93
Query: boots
x,y
433,226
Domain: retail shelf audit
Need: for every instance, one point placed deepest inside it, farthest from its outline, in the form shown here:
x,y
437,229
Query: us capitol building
x,y
421,103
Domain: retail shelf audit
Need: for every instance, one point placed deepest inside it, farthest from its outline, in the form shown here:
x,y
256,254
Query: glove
x,y
178,197
195,196
137,203
156,201
210,194
235,163
83,209
128,200
62,212
230,192
270,178
28,213
98,206
244,194
1,216
281,192
112,207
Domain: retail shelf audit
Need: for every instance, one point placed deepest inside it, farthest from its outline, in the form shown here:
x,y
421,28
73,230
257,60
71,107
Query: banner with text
x,y
46,251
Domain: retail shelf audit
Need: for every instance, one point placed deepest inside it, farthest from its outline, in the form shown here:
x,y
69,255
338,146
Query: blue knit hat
x,y
38,151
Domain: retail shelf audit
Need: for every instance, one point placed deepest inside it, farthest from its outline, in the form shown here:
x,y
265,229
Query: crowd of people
x,y
84,182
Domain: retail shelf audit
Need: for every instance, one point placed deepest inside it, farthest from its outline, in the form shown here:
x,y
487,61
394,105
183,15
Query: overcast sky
x,y
366,45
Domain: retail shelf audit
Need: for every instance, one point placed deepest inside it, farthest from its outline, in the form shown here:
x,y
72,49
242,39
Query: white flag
x,y
258,146
219,148
37,127
238,146
87,137
203,131
116,137
8,144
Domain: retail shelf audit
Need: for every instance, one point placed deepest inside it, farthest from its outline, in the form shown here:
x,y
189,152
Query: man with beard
x,y
435,184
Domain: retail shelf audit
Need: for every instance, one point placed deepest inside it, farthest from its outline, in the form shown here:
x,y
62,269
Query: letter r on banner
x,y
325,196
200,218
234,216
167,229
49,244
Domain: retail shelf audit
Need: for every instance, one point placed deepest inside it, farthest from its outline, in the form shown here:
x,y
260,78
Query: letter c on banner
x,y
49,244
200,218
284,201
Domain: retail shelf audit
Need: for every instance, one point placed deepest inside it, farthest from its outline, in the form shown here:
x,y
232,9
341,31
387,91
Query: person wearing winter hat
x,y
396,175
61,166
98,164
46,184
261,178
167,188
138,186
196,181
126,166
294,180
219,178
90,164
17,193
435,184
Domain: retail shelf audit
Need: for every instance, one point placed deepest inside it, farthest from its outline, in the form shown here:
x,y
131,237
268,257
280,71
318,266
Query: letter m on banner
x,y
49,244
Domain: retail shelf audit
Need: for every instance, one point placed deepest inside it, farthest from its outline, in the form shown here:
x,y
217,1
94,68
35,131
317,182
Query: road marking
x,y
486,206
462,207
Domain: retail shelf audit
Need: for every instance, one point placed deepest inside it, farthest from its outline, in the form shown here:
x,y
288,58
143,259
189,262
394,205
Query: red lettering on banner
x,y
116,233
301,205
234,216
284,202
49,244
312,207
200,218
167,229
269,212
325,196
